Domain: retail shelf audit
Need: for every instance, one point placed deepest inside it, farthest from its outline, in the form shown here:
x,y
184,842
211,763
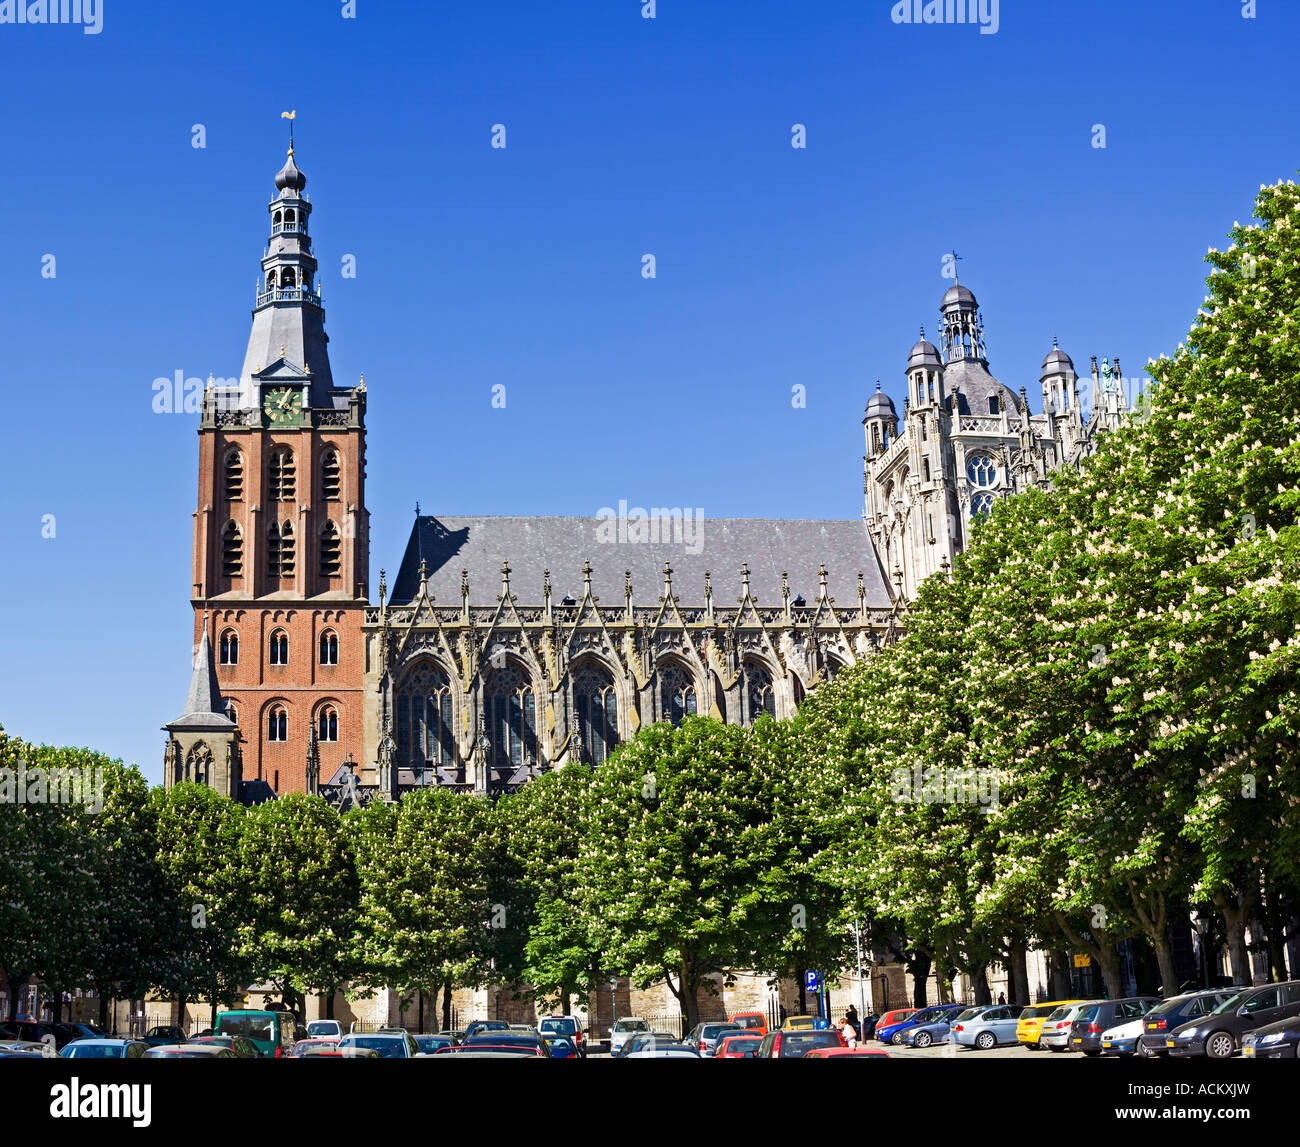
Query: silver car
x,y
104,1049
624,1030
996,1025
389,1044
704,1037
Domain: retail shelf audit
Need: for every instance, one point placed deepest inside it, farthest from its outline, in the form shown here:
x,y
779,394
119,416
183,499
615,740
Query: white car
x,y
624,1030
29,1047
325,1029
1122,1040
664,1053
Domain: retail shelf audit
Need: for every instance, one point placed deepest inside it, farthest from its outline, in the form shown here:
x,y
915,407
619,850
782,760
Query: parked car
x,y
793,1044
1056,1029
666,1051
924,1033
1030,1023
242,1047
390,1045
35,1049
1280,1040
324,1029
271,1031
991,1028
867,1028
639,1041
74,1031
528,1040
478,1026
890,1018
731,1045
1173,1013
430,1043
305,1047
104,1049
751,1021
846,1053
703,1037
561,1046
623,1030
566,1026
893,1033
165,1034
1122,1039
189,1051
1092,1021
799,1023
1218,1035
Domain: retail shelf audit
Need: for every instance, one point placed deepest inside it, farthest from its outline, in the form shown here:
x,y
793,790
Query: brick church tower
x,y
281,533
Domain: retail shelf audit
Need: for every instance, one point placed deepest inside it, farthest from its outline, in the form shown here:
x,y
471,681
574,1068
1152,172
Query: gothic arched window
x,y
676,693
277,724
279,648
511,719
329,476
328,725
232,551
197,764
330,550
981,470
287,278
329,648
759,695
981,505
280,477
279,550
234,476
425,733
596,702
230,647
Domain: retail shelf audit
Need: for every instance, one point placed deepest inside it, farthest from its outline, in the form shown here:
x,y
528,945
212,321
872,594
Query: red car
x,y
743,1046
794,1045
845,1053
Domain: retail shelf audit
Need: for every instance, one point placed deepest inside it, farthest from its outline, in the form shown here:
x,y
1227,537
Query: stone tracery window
x,y
229,647
596,703
981,505
425,734
981,470
511,719
760,697
677,698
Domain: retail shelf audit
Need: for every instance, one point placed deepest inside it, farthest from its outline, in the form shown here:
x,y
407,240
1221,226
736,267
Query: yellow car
x,y
1030,1024
799,1024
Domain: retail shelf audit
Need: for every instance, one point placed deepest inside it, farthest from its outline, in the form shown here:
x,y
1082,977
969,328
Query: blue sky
x,y
479,266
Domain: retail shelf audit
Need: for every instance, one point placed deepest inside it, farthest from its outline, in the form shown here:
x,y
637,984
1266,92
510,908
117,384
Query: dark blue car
x,y
893,1033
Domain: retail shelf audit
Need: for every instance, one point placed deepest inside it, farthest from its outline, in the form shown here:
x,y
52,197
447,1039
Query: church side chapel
x,y
510,645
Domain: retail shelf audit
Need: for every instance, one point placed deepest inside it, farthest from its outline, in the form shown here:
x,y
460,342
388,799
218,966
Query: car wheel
x,y
897,1039
1144,1052
923,1039
986,1041
1219,1045
1090,1054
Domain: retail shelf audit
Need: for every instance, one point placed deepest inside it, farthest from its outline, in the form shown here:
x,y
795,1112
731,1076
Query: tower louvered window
x,y
330,550
279,550
232,551
329,478
234,476
280,477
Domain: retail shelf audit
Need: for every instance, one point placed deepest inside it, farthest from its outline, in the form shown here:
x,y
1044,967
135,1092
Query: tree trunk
x,y
920,971
1152,913
332,991
802,975
1234,918
565,1007
1274,929
1017,973
980,983
1101,948
446,1005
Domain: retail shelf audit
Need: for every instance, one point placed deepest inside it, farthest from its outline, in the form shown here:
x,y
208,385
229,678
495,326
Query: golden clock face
x,y
283,406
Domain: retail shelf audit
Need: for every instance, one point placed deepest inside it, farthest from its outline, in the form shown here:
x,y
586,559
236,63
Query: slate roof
x,y
204,708
530,545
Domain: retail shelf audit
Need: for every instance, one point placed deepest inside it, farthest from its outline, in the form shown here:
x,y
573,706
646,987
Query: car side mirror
x,y
1243,1011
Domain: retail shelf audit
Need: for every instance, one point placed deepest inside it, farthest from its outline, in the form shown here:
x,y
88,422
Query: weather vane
x,y
955,257
290,116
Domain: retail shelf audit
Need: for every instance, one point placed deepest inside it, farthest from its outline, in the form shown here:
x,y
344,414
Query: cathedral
x,y
507,645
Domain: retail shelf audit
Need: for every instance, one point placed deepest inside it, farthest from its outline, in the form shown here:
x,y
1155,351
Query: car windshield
x,y
1231,1004
563,1027
94,1051
711,1030
796,1043
389,1047
631,1026
1059,1014
250,1027
970,1013
748,1021
323,1027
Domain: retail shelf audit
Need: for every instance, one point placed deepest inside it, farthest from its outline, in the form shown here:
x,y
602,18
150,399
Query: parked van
x,y
272,1033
